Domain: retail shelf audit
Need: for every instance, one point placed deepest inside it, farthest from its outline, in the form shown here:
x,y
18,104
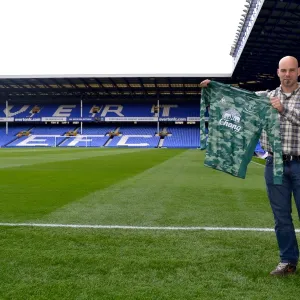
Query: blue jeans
x,y
280,197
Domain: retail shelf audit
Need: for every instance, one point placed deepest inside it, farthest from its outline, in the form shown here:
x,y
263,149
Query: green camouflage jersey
x,y
236,120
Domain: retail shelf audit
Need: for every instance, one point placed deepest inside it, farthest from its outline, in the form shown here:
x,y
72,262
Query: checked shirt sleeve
x,y
290,114
293,115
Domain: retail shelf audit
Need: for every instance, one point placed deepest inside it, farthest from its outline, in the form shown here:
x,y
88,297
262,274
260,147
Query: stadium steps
x,y
62,141
108,142
117,129
162,139
161,142
11,141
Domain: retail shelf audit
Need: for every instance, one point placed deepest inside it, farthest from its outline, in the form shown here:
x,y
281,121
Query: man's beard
x,y
287,82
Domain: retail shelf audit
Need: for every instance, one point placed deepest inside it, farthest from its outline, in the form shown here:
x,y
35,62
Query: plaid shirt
x,y
289,122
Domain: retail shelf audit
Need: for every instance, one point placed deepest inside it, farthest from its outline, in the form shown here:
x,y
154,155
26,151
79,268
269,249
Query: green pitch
x,y
160,188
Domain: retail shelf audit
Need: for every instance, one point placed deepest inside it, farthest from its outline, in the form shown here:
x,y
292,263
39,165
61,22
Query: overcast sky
x,y
47,37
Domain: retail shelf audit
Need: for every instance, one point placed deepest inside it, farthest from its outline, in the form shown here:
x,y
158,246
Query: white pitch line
x,y
139,227
257,163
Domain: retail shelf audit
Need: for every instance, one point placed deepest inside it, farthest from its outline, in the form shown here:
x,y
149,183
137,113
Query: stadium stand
x,y
182,137
97,130
52,130
146,130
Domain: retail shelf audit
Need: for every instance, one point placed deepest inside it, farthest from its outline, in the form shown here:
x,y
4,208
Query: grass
x,y
158,187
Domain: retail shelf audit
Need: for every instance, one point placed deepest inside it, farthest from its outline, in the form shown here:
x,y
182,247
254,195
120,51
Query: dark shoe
x,y
284,269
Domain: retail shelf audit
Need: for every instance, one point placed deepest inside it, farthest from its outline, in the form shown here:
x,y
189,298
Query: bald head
x,y
288,72
288,60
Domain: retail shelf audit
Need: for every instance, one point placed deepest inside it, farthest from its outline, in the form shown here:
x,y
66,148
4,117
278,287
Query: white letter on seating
x,y
64,111
124,138
166,110
11,114
108,108
33,141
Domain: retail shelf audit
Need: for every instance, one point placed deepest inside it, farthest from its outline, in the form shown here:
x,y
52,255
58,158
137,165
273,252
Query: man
x,y
286,100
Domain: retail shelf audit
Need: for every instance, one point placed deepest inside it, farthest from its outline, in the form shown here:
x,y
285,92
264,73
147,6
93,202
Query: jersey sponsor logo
x,y
231,119
249,109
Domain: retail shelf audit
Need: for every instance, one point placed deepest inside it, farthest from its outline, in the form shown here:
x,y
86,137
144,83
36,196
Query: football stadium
x,y
104,191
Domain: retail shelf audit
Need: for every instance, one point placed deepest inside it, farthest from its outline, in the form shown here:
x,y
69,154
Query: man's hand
x,y
204,83
277,104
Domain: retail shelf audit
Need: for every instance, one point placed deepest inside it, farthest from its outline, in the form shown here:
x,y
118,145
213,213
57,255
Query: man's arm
x,y
292,115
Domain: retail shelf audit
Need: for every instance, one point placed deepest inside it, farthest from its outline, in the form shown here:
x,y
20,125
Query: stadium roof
x,y
268,31
275,34
108,88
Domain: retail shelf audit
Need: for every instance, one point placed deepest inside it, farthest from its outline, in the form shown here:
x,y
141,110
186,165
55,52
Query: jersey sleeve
x,y
273,132
205,101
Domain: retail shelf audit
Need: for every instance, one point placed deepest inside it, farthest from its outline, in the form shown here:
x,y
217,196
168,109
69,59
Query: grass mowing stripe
x,y
180,191
138,199
32,158
30,192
